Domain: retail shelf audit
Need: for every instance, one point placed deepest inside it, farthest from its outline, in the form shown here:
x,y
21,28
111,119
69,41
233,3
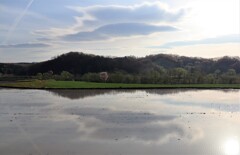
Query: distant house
x,y
103,76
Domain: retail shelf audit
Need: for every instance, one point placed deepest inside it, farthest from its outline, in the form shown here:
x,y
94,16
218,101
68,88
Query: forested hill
x,y
79,63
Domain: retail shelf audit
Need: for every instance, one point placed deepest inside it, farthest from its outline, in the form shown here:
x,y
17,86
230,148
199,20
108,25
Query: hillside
x,y
80,63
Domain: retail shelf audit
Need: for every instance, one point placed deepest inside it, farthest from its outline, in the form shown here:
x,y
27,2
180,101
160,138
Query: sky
x,y
38,30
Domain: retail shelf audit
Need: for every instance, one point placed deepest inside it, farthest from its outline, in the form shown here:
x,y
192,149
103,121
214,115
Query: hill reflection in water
x,y
74,94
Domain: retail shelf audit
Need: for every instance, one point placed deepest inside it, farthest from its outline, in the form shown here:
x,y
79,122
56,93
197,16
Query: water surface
x,y
119,122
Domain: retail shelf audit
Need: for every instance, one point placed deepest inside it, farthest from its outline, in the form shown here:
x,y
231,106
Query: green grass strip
x,y
50,84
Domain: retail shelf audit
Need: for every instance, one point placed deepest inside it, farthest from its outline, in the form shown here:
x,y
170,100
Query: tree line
x,y
160,76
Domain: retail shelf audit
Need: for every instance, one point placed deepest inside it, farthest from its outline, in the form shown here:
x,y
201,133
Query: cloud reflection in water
x,y
140,126
100,122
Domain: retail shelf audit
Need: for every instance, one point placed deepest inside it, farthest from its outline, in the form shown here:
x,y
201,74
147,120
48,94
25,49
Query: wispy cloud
x,y
25,45
235,38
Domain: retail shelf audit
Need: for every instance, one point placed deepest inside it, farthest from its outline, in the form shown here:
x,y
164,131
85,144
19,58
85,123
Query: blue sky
x,y
36,30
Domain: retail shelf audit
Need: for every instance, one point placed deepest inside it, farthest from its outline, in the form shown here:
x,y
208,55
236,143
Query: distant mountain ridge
x,y
79,63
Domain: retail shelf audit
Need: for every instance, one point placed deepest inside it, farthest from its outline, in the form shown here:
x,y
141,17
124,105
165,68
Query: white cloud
x,y
235,38
154,12
207,50
98,22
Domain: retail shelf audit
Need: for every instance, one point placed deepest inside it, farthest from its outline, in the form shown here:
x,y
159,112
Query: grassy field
x,y
51,84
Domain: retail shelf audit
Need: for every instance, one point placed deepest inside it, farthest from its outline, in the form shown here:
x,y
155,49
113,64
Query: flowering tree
x,y
103,76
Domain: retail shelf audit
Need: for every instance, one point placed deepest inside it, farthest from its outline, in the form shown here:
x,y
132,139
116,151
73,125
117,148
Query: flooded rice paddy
x,y
120,122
